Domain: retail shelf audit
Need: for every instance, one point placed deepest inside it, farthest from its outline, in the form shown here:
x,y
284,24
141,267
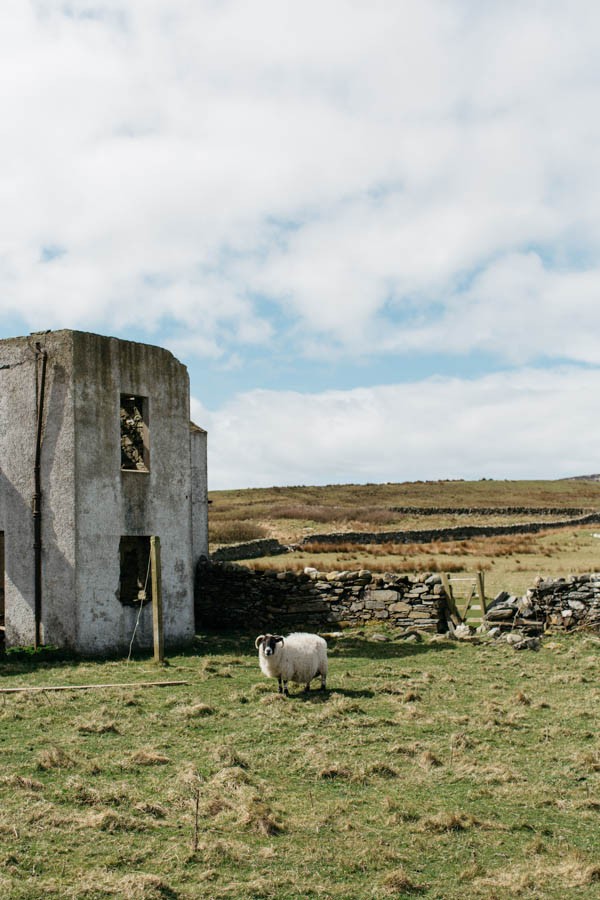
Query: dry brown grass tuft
x,y
404,749
144,757
399,882
262,687
338,707
448,822
19,781
235,532
382,770
259,818
428,760
197,710
97,728
154,810
570,872
460,741
228,756
112,822
214,806
54,758
82,793
145,887
411,697
270,699
522,698
230,776
335,771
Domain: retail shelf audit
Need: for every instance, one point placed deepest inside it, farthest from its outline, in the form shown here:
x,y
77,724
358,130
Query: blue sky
x,y
370,228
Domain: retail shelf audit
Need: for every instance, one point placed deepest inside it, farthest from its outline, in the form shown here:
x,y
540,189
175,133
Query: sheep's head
x,y
267,643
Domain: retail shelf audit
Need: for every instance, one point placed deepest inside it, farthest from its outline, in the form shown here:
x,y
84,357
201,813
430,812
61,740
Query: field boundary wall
x,y
232,596
272,547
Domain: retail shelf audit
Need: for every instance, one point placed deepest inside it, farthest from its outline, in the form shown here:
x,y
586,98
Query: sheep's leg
x,y
283,688
307,688
323,682
280,689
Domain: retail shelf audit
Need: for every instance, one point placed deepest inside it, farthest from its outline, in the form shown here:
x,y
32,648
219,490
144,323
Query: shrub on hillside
x,y
235,532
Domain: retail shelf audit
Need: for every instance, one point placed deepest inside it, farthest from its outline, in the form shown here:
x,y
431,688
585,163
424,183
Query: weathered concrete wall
x,y
89,502
229,595
17,456
198,442
111,502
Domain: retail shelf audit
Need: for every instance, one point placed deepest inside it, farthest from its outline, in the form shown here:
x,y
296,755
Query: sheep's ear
x,y
279,639
259,640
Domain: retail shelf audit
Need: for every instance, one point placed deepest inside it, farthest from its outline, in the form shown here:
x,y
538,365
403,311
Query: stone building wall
x,y
93,507
233,596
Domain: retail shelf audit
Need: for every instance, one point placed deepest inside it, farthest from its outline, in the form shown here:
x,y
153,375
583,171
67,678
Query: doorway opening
x,y
135,583
2,577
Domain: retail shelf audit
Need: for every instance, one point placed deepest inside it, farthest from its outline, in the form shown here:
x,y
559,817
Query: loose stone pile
x,y
551,602
506,610
568,602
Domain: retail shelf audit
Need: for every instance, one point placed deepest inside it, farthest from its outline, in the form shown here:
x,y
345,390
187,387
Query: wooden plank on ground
x,y
90,687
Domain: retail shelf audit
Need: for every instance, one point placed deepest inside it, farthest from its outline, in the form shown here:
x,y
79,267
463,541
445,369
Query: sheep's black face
x,y
268,645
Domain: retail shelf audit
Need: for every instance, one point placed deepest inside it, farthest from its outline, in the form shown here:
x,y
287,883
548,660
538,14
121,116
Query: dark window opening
x,y
135,448
135,584
1,579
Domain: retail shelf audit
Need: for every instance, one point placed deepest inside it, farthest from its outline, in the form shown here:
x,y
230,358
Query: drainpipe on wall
x,y
37,495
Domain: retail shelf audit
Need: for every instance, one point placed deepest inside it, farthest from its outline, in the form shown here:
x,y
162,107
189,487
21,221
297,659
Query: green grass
x,y
433,770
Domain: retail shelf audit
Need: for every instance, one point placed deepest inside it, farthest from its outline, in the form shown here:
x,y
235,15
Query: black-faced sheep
x,y
299,657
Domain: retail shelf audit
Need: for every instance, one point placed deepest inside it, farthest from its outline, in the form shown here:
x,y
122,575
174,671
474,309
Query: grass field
x,y
508,563
435,770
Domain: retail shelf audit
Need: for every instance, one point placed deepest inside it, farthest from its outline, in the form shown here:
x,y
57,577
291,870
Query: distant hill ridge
x,y
581,478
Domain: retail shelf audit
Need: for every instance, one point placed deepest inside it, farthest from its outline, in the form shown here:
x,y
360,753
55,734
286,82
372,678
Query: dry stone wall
x,y
249,550
456,533
233,596
490,510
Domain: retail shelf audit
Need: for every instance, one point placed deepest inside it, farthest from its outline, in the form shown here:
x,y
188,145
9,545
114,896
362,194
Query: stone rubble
x,y
551,603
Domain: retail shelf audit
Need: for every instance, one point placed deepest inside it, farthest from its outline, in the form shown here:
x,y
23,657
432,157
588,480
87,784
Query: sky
x,y
369,228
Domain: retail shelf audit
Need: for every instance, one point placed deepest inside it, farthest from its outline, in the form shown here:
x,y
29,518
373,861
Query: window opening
x,y
135,583
135,448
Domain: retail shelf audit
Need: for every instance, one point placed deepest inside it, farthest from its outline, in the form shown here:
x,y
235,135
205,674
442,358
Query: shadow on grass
x,y
366,649
237,643
317,696
25,660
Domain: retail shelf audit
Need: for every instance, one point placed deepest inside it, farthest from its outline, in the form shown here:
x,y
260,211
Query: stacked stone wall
x,y
567,603
456,533
233,596
490,510
249,550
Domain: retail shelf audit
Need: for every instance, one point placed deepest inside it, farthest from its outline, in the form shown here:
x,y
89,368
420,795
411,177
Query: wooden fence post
x,y
157,607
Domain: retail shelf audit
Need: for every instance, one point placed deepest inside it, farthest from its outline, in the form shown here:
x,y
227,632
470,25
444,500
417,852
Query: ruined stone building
x,y
97,454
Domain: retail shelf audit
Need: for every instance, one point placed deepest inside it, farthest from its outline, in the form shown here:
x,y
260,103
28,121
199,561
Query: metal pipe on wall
x,y
37,495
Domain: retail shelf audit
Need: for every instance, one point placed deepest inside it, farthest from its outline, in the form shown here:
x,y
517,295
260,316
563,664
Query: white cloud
x,y
354,161
527,424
